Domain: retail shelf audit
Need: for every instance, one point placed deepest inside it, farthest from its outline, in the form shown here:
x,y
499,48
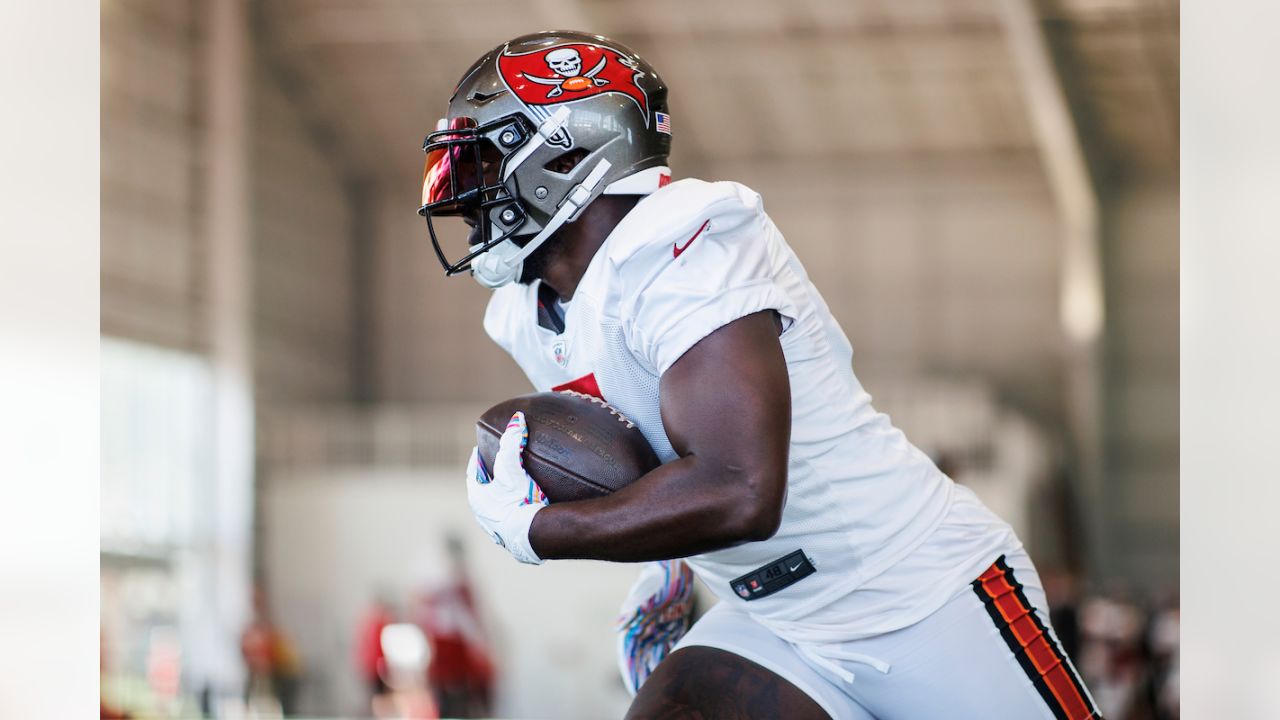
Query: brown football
x,y
579,447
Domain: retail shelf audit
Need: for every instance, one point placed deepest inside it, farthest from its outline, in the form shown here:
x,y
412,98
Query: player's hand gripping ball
x,y
504,498
579,446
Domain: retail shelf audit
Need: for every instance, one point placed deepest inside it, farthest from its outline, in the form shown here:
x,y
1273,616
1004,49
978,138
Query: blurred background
x,y
986,192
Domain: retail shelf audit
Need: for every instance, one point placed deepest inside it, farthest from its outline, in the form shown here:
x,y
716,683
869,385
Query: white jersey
x,y
691,258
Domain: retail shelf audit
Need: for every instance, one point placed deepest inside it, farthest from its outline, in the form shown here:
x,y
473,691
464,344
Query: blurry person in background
x,y
1164,638
406,655
270,659
108,711
255,649
1061,588
1111,655
286,670
370,662
164,668
460,671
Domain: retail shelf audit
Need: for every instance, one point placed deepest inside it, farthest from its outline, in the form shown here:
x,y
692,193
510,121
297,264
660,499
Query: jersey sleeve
x,y
726,264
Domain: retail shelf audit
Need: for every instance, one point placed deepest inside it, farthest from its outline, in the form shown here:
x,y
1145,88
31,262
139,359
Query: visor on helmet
x,y
462,178
453,166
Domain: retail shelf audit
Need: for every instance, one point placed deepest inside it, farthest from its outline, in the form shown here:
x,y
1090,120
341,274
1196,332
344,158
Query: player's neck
x,y
580,240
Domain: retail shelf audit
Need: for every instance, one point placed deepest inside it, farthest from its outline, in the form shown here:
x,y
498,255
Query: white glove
x,y
654,617
505,501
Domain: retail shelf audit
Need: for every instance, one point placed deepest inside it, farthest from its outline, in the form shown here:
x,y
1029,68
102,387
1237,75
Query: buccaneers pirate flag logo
x,y
565,73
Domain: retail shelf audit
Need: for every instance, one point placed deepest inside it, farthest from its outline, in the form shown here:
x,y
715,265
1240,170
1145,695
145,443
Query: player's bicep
x,y
727,402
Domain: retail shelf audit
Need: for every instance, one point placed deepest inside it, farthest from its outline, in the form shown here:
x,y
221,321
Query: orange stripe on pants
x,y
1028,639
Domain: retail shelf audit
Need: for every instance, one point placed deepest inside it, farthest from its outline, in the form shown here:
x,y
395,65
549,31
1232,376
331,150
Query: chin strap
x,y
502,264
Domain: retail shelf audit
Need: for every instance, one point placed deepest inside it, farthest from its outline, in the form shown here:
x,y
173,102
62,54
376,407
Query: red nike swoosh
x,y
676,249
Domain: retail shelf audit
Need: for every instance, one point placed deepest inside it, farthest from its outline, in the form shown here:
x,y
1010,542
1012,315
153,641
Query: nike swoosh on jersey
x,y
676,249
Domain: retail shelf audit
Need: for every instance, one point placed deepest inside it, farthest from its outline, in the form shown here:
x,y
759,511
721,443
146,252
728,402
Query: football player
x,y
855,580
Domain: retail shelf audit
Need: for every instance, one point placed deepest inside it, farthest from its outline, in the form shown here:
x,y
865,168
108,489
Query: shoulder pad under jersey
x,y
677,211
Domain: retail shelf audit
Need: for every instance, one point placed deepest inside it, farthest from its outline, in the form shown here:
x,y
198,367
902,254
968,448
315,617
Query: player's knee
x,y
704,682
666,708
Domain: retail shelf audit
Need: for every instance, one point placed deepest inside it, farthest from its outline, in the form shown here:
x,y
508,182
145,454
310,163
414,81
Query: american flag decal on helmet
x,y
662,122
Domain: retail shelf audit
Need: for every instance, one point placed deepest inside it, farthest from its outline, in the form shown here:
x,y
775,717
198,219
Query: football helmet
x,y
536,130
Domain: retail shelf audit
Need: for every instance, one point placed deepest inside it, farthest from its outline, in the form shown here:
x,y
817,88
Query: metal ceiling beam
x,y
225,585
359,183
1081,299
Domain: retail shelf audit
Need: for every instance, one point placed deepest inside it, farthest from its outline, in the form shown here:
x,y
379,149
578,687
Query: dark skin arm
x,y
726,405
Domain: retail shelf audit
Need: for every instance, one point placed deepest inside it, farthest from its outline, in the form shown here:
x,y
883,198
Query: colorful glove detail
x,y
653,619
505,501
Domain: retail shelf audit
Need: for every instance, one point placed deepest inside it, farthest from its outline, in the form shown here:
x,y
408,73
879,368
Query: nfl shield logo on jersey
x,y
561,355
742,590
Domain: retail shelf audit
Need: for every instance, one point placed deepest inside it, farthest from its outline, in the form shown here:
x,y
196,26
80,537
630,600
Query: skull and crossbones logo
x,y
567,64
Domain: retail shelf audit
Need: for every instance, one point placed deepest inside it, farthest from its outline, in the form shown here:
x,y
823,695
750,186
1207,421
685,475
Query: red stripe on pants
x,y
1001,593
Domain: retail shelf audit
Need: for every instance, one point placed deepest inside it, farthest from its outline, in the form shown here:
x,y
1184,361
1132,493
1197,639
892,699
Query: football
x,y
579,446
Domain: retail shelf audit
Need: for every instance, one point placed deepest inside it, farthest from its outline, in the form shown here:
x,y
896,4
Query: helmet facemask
x,y
471,171
463,177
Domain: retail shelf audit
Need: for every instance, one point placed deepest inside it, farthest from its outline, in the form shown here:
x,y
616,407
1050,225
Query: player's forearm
x,y
683,508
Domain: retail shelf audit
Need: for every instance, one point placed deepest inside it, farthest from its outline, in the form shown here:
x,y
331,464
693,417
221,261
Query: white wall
x,y
334,537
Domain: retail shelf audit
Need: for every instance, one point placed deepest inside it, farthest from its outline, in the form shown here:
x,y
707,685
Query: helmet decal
x,y
569,72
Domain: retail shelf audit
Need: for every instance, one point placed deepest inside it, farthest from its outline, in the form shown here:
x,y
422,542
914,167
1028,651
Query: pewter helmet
x,y
536,130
